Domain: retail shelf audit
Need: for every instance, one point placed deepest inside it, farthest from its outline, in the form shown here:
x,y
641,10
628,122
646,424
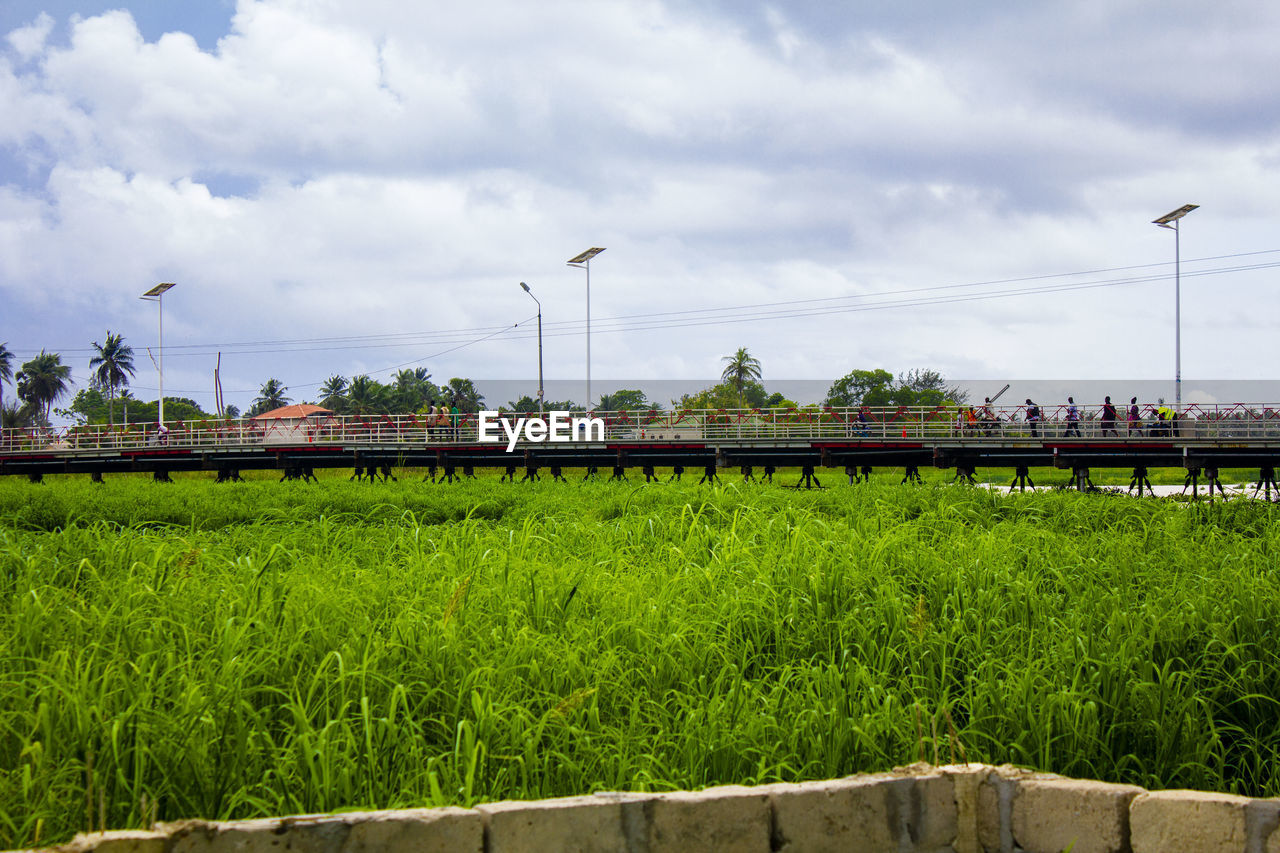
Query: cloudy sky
x,y
353,187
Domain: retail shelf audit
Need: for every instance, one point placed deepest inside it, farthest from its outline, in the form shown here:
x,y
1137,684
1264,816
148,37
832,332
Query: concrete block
x,y
994,807
1188,820
886,812
1049,815
592,824
966,782
729,819
401,831
117,841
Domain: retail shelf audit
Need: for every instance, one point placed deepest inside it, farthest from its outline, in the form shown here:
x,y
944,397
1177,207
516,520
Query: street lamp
x,y
156,295
583,262
535,299
1170,221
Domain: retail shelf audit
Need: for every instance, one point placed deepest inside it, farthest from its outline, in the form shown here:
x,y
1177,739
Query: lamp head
x,y
1173,216
526,288
585,257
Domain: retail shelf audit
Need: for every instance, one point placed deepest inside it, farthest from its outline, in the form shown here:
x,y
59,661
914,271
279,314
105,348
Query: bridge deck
x,y
1236,436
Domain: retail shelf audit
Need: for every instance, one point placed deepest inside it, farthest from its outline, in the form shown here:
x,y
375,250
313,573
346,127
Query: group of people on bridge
x,y
984,420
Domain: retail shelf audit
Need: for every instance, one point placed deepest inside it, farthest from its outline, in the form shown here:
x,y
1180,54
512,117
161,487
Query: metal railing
x,y
1226,423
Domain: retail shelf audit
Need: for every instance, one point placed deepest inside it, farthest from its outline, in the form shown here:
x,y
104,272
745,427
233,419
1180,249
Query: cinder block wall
x,y
954,809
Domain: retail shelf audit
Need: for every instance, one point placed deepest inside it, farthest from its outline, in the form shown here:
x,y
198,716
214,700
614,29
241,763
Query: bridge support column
x,y
808,479
1021,479
1266,480
1192,480
1211,474
1080,474
1140,479
95,477
161,475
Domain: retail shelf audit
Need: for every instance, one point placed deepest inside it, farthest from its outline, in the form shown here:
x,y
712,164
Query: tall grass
x,y
201,650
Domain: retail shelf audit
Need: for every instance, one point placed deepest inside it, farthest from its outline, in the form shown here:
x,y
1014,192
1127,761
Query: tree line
x,y
44,380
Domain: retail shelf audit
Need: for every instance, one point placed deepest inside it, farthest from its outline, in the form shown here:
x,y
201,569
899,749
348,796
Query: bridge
x,y
1201,441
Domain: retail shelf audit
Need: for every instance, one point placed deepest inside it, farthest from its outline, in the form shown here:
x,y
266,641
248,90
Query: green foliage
x,y
725,395
333,394
16,416
861,388
877,388
530,404
271,396
43,381
89,406
366,396
741,368
627,400
264,648
112,365
463,394
6,369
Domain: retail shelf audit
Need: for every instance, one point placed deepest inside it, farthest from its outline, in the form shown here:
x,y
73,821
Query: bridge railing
x,y
1230,423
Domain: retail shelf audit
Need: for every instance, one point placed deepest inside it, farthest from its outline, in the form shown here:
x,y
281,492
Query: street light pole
x,y
1170,221
535,299
156,295
583,262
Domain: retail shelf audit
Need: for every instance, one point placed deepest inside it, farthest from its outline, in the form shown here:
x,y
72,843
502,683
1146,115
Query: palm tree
x,y
271,396
741,369
114,363
42,381
13,416
6,368
366,395
463,392
413,388
333,393
125,396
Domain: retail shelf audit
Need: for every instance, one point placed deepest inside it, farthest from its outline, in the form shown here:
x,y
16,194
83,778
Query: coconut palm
x,y
741,369
6,368
413,388
43,381
271,396
463,393
114,368
13,416
333,393
366,396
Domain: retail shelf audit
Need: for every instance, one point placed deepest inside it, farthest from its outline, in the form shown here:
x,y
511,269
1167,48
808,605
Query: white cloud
x,y
27,42
336,168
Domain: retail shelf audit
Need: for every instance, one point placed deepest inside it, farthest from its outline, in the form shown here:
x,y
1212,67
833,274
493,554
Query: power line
x,y
728,315
435,337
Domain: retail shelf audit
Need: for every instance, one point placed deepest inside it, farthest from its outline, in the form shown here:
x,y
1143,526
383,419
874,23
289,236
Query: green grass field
x,y
260,648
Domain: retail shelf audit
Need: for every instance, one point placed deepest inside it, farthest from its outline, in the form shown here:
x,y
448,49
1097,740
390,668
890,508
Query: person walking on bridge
x,y
1109,418
1135,419
1073,419
1033,416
